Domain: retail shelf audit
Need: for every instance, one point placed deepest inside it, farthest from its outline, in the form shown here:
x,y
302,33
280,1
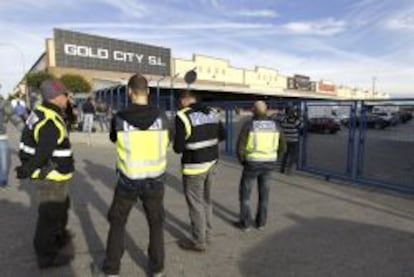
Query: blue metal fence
x,y
365,142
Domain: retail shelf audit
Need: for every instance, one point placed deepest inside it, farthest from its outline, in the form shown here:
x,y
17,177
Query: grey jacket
x,y
7,114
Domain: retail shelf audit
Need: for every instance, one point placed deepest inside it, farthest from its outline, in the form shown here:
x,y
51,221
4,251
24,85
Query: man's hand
x,y
22,173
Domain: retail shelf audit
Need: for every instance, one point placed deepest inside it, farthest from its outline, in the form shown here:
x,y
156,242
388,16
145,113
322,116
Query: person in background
x,y
198,134
88,110
69,115
291,126
20,109
259,145
102,115
6,114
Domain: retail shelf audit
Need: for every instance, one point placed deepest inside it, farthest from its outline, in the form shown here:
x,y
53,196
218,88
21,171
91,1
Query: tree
x,y
76,83
35,79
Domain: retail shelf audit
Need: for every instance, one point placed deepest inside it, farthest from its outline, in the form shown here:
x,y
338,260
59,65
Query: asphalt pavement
x,y
315,228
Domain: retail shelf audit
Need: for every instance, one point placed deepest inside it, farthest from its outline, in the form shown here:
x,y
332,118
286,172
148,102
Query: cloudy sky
x,y
346,41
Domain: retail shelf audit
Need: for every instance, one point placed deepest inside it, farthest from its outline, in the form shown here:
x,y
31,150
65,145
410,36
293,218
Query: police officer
x,y
259,145
141,135
46,156
198,133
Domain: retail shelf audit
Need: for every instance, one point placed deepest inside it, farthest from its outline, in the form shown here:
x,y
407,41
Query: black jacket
x,y
199,133
48,142
88,107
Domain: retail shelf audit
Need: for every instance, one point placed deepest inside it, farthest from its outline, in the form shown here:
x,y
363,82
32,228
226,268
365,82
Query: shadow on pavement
x,y
219,210
84,196
331,247
17,255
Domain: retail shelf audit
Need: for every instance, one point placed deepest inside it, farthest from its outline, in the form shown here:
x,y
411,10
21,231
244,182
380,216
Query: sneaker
x,y
261,228
241,226
59,260
97,272
158,274
192,246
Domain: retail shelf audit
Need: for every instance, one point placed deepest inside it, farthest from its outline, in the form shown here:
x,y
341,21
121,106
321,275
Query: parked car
x,y
405,116
392,118
373,121
323,125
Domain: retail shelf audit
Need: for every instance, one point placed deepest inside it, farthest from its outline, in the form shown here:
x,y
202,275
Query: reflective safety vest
x,y
60,166
201,140
262,141
142,154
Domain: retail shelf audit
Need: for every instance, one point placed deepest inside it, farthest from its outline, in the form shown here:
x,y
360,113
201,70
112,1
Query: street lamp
x,y
158,90
374,80
172,91
22,60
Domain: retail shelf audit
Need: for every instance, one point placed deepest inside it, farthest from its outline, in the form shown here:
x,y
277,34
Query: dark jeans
x,y
290,157
54,204
249,177
151,193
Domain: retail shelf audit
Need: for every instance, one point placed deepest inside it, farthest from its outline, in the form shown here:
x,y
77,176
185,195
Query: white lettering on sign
x,y
117,55
154,60
86,52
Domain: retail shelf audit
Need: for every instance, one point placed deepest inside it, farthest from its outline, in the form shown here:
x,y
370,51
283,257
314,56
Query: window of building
x,y
223,72
208,70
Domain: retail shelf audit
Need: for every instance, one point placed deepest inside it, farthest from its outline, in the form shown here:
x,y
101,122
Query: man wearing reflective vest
x,y
140,133
46,156
198,133
259,145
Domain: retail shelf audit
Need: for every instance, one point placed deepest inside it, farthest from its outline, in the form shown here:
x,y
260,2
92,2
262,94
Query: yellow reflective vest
x,y
262,141
142,154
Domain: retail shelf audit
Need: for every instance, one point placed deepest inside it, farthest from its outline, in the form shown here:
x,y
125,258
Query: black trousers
x,y
151,193
290,157
50,229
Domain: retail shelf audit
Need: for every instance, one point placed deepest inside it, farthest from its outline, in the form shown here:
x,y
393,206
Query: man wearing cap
x,y
46,157
260,144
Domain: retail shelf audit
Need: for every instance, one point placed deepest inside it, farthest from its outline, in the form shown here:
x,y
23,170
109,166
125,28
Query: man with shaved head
x,y
260,144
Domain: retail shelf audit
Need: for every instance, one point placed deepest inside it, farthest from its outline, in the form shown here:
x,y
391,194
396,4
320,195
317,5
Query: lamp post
x,y
374,80
172,106
158,90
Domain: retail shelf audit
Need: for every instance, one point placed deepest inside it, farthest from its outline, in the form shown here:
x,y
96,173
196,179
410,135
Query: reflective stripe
x,y
53,175
145,163
201,144
186,121
268,158
143,175
3,137
199,168
56,153
57,121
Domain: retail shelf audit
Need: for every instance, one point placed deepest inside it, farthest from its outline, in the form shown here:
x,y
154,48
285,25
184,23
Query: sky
x,y
345,41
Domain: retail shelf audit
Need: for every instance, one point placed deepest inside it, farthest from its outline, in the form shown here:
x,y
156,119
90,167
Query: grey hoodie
x,y
6,114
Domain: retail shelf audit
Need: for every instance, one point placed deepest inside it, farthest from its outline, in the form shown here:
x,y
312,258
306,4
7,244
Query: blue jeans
x,y
4,162
249,177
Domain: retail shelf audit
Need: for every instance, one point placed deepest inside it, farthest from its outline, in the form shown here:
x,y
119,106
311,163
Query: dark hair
x,y
186,94
138,84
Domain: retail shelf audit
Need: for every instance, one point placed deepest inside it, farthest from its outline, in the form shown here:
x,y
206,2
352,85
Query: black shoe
x,y
240,225
56,261
192,246
65,238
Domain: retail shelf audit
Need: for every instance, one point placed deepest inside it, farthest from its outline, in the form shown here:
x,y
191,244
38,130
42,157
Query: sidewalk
x,y
315,228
